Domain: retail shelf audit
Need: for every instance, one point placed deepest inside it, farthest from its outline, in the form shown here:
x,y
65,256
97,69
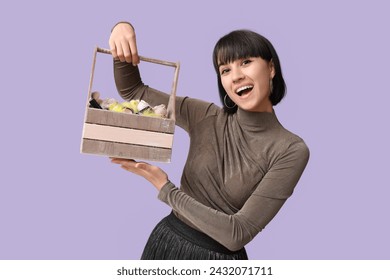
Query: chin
x,y
257,108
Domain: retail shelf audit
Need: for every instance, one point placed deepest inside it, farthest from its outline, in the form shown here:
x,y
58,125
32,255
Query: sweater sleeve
x,y
235,231
189,111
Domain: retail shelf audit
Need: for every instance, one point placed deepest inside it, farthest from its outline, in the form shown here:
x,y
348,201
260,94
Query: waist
x,y
192,235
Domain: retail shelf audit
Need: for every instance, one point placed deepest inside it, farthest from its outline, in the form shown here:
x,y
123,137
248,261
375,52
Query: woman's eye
x,y
224,71
246,61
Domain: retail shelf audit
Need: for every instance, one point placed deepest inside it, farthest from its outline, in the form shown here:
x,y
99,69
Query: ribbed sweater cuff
x,y
165,190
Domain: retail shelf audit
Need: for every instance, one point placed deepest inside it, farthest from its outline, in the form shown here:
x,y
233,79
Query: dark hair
x,y
243,44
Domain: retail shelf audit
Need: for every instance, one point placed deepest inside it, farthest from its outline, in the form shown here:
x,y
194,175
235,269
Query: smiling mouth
x,y
244,90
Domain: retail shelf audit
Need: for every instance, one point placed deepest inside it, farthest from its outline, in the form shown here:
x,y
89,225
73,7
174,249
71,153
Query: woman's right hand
x,y
123,43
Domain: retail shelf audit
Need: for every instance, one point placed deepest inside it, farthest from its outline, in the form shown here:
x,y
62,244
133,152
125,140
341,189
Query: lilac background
x,y
56,203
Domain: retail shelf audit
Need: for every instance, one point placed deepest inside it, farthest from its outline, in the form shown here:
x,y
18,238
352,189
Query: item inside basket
x,y
136,106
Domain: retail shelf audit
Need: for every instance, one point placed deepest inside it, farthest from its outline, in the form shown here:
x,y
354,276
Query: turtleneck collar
x,y
257,120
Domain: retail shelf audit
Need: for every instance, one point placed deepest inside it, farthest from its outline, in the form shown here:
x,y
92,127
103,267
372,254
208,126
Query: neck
x,y
257,119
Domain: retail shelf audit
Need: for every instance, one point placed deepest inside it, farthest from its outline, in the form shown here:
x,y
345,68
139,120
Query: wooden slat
x,y
127,135
105,117
143,58
111,149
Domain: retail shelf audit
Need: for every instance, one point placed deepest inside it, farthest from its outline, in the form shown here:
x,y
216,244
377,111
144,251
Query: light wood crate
x,y
130,136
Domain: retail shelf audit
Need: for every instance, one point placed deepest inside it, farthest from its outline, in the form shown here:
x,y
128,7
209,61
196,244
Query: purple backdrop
x,y
56,203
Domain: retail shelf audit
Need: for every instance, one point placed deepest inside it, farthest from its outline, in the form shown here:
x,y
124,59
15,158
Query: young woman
x,y
242,164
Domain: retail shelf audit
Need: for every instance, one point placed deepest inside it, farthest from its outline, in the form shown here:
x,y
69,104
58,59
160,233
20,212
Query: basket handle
x,y
171,103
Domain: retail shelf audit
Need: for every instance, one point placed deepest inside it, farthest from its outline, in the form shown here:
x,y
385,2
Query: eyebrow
x,y
221,64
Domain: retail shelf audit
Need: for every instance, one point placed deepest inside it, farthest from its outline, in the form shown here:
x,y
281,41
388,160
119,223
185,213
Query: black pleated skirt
x,y
172,239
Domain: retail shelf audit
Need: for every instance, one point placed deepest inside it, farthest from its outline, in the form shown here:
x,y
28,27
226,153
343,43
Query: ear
x,y
271,67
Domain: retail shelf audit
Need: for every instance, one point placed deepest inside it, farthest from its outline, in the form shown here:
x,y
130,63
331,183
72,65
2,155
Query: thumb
x,y
144,166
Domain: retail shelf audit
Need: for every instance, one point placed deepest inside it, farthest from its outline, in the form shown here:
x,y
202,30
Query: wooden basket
x,y
129,136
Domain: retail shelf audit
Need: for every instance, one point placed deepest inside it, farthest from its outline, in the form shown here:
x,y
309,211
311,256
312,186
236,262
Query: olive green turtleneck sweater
x,y
240,169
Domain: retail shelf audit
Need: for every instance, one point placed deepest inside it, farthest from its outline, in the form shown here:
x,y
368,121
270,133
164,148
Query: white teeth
x,y
243,88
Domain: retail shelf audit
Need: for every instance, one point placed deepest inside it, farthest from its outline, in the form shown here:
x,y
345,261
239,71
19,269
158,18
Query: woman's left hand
x,y
153,174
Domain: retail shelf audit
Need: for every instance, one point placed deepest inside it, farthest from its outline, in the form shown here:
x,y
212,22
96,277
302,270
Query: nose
x,y
238,75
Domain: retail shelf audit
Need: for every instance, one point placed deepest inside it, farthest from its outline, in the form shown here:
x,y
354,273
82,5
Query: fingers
x,y
121,160
113,49
150,172
117,160
119,52
123,44
126,54
139,168
134,52
129,165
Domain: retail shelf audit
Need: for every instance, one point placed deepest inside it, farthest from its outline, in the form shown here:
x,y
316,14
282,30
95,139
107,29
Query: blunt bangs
x,y
240,44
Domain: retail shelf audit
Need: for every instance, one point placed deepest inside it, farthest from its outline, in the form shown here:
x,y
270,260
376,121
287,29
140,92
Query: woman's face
x,y
247,82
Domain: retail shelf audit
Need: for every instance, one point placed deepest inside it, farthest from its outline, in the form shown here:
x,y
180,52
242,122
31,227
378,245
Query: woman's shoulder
x,y
293,143
191,112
